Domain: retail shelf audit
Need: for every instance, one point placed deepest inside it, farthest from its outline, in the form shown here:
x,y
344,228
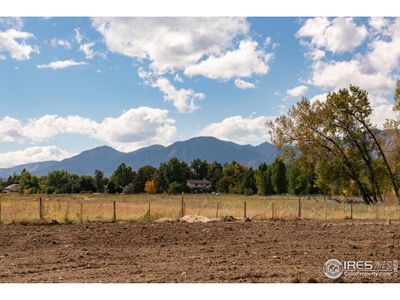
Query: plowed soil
x,y
272,251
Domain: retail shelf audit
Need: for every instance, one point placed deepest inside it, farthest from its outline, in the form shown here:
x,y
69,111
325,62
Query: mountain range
x,y
107,159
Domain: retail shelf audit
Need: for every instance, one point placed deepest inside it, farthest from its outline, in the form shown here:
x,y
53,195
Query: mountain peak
x,y
107,159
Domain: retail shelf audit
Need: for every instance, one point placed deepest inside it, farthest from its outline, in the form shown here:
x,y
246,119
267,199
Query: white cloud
x,y
378,23
78,36
375,69
239,129
382,112
2,57
337,35
61,64
243,85
14,42
245,61
134,128
60,43
170,43
32,154
297,91
320,97
87,49
339,74
183,99
137,128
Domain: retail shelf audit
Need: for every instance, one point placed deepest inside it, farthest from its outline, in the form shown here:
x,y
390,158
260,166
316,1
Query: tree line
x,y
278,178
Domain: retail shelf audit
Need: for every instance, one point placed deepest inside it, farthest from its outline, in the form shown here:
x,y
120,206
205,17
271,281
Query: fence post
x,y
326,210
351,210
299,213
149,210
245,210
81,212
217,209
0,211
182,206
41,209
114,212
273,210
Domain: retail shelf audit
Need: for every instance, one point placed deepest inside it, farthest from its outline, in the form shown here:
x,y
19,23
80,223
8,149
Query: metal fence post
x,y
245,210
273,210
216,215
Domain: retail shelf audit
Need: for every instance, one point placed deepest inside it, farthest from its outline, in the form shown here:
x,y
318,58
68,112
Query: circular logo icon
x,y
333,268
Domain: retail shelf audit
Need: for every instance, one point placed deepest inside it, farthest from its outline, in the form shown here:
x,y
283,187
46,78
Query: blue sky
x,y
71,84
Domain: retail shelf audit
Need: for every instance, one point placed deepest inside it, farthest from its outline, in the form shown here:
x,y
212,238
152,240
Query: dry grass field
x,y
136,208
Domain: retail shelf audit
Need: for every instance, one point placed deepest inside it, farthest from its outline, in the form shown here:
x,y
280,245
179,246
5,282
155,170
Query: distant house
x,y
12,188
196,185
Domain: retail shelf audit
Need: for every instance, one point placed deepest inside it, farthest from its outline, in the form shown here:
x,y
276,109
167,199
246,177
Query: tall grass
x,y
99,207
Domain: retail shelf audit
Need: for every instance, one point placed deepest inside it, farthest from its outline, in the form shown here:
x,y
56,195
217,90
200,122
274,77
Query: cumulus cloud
x,y
87,49
32,154
297,91
169,43
60,43
245,61
61,64
137,128
239,129
134,128
14,42
337,35
243,85
382,112
320,97
183,99
374,68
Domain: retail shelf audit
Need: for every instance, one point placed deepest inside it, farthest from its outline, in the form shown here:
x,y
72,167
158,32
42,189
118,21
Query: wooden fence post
x,y
182,206
81,212
299,213
351,210
114,212
326,210
41,209
217,209
149,213
273,210
245,210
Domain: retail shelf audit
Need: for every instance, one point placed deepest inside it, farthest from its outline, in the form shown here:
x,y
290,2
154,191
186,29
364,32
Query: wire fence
x,y
137,208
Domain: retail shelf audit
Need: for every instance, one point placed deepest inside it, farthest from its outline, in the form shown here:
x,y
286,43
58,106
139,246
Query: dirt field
x,y
280,251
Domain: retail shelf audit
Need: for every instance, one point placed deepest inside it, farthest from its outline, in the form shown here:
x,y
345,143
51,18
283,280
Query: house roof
x,y
12,187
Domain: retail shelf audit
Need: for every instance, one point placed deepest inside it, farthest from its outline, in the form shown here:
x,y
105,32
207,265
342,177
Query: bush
x,y
129,189
175,188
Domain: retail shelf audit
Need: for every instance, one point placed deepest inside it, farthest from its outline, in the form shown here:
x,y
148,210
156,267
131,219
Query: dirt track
x,y
280,251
